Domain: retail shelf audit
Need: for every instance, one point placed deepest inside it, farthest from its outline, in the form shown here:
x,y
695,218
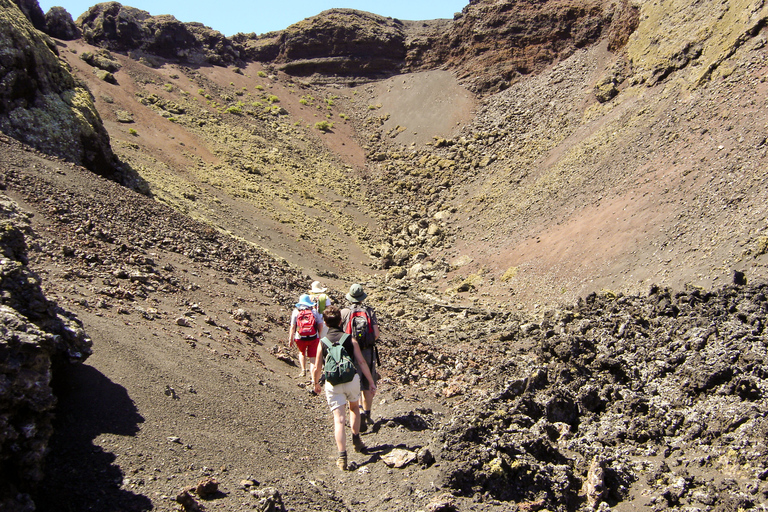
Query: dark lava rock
x,y
634,382
59,24
120,28
33,12
36,337
342,42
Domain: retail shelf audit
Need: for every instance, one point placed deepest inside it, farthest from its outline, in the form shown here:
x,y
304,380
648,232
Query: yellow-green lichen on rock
x,y
40,102
672,34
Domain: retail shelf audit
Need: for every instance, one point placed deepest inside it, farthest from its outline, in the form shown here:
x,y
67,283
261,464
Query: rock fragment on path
x,y
399,458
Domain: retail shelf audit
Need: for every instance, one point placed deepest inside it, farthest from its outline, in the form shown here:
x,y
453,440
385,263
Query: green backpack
x,y
338,367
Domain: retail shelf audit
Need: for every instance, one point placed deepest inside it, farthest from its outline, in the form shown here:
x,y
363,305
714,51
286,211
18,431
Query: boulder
x,y
59,24
42,105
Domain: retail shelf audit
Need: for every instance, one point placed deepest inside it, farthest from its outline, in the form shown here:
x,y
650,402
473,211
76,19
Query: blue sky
x,y
230,16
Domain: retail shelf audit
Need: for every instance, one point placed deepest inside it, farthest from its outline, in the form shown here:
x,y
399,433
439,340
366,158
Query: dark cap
x,y
356,293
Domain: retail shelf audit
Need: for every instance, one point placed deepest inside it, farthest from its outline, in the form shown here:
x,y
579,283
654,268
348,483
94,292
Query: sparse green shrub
x,y
168,87
303,101
373,107
201,92
133,132
344,116
259,87
261,74
273,99
323,126
234,110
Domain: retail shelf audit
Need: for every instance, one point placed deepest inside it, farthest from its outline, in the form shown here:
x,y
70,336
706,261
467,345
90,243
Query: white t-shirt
x,y
318,321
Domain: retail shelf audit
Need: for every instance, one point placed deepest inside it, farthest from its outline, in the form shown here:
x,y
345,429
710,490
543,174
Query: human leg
x,y
354,422
354,416
367,393
339,432
303,361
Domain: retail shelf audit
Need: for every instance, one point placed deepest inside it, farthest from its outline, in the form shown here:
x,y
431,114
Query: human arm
x,y
318,371
362,364
292,330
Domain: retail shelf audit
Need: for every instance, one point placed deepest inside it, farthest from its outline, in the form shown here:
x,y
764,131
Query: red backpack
x,y
360,327
306,325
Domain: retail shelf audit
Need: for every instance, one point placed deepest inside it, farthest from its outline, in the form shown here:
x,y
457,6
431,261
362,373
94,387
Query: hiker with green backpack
x,y
340,362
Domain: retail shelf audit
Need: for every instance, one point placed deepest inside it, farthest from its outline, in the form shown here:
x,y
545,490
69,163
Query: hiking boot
x,y
341,462
363,422
359,444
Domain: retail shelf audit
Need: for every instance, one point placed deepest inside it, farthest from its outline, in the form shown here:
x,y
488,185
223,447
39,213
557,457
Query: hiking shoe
x,y
359,444
363,422
302,373
341,462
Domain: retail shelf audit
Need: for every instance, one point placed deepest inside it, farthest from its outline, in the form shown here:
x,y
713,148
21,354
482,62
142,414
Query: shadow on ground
x,y
77,470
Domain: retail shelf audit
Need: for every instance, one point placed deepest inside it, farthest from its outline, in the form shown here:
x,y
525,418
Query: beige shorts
x,y
340,394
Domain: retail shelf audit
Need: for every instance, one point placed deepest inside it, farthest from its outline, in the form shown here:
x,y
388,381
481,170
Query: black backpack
x,y
338,367
360,327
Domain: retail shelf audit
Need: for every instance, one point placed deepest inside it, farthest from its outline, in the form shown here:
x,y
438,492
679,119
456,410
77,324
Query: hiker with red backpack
x,y
306,325
340,362
360,322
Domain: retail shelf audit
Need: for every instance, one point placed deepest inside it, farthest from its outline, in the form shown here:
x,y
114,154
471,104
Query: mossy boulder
x,y
41,104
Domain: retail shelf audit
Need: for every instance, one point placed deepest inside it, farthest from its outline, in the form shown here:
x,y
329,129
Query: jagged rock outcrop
x,y
343,42
497,42
126,29
35,337
59,24
41,104
491,44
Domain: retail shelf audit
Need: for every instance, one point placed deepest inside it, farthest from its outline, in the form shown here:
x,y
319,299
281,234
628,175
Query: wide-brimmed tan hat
x,y
316,288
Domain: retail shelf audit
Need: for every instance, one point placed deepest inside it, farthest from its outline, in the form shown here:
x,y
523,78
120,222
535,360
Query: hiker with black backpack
x,y
306,324
359,320
340,362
